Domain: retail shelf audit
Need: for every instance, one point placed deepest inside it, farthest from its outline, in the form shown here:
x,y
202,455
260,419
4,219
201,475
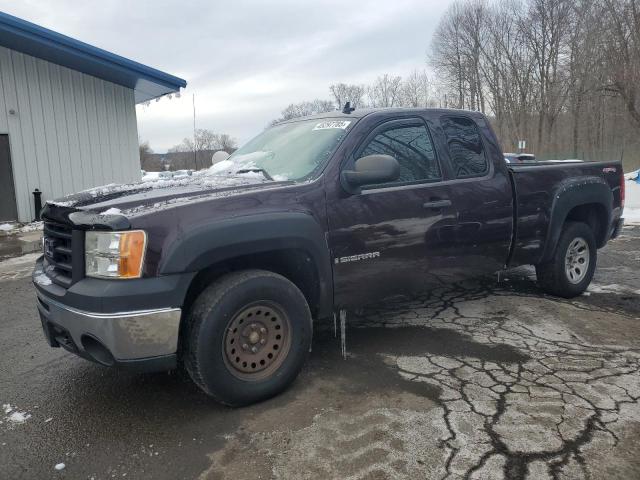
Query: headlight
x,y
115,254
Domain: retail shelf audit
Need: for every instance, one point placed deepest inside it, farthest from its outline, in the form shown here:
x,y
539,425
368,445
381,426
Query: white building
x,y
67,115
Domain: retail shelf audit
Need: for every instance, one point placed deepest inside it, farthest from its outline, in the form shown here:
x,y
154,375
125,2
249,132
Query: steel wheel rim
x,y
257,341
576,261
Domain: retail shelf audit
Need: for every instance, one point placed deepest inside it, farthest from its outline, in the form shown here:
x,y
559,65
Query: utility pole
x,y
195,148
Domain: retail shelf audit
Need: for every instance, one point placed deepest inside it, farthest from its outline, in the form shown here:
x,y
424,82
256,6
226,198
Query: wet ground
x,y
483,380
20,242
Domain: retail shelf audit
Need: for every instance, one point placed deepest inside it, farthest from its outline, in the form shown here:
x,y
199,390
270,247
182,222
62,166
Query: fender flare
x,y
201,247
570,194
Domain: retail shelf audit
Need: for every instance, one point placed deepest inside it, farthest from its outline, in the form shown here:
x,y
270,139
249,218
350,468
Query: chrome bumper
x,y
126,336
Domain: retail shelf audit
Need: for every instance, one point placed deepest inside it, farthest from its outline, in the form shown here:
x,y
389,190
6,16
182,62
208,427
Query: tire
x,y
247,336
556,277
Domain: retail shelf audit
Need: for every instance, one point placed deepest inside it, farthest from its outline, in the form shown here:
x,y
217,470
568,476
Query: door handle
x,y
437,204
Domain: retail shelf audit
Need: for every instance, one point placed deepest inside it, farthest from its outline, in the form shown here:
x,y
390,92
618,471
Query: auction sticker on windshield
x,y
341,124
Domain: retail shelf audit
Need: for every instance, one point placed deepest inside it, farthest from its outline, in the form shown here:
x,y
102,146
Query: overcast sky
x,y
244,60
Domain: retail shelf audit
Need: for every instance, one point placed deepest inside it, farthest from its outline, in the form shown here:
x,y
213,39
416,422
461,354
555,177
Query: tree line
x,y
387,90
192,153
563,75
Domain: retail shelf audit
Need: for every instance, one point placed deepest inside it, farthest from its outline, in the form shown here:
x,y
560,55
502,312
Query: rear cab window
x,y
466,151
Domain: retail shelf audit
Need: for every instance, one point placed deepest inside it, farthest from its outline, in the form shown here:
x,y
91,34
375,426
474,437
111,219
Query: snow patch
x,y
61,203
13,416
631,212
227,173
60,466
42,279
612,288
149,176
112,211
17,261
18,417
20,228
31,227
222,167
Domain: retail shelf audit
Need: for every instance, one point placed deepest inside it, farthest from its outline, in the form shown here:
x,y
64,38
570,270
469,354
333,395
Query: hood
x,y
145,196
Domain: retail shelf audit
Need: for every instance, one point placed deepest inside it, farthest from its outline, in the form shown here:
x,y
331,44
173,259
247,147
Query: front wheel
x,y
573,264
247,336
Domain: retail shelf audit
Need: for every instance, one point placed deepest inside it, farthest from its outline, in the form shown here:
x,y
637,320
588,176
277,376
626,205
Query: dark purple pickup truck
x,y
225,271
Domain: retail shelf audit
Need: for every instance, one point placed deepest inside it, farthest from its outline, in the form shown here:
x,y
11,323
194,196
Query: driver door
x,y
392,238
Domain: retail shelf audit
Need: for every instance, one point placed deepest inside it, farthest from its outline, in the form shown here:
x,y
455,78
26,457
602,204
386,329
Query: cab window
x,y
412,147
465,147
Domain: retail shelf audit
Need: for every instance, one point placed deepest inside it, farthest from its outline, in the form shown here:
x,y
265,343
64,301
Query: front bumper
x,y
139,336
146,340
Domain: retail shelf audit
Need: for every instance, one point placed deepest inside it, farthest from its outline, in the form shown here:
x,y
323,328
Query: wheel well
x,y
293,264
594,215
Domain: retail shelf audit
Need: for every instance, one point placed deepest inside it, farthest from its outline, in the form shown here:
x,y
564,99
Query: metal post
x,y
37,202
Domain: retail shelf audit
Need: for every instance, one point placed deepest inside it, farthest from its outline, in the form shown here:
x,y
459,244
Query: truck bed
x,y
538,185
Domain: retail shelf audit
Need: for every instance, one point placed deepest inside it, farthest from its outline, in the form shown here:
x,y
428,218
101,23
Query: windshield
x,y
292,151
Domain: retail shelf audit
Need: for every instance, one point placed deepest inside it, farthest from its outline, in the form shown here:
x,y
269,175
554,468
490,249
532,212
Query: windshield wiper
x,y
259,170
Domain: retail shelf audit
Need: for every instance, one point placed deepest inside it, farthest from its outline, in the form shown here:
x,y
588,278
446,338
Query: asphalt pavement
x,y
486,379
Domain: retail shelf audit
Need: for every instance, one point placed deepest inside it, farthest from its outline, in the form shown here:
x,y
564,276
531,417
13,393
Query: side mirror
x,y
370,170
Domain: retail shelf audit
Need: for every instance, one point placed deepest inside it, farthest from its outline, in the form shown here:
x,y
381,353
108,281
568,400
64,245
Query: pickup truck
x,y
224,272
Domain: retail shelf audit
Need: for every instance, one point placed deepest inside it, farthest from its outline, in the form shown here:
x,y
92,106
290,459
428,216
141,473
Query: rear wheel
x,y
247,336
571,268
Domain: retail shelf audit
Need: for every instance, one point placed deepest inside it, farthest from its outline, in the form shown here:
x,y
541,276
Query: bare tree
x,y
206,143
416,89
344,93
224,141
622,44
144,148
147,160
303,109
446,54
547,24
385,91
562,74
206,140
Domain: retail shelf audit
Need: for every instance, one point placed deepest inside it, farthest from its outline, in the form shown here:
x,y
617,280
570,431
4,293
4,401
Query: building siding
x,y
71,131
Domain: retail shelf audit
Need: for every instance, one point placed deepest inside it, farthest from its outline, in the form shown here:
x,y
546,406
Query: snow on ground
x,y
31,227
612,288
20,228
632,175
12,263
13,416
632,203
149,176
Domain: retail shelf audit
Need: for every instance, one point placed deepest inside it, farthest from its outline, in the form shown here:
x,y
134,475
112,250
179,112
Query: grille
x,y
58,245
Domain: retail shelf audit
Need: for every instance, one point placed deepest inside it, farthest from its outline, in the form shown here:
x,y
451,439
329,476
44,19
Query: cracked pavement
x,y
485,379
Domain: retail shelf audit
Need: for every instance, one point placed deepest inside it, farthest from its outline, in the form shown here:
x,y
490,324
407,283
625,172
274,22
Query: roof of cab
x,y
363,112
